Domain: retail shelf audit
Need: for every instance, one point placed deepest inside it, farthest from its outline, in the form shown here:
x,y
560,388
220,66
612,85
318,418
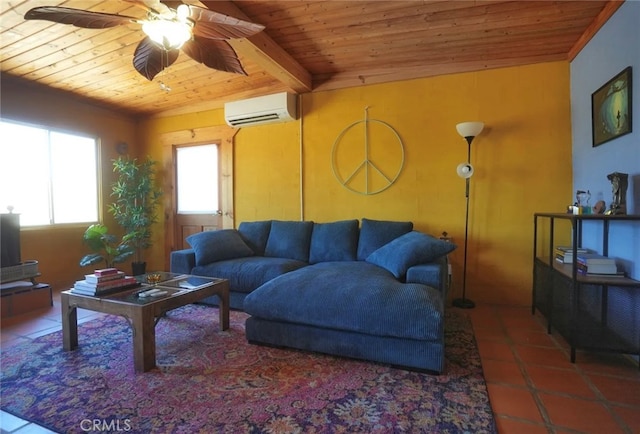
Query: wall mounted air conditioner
x,y
279,107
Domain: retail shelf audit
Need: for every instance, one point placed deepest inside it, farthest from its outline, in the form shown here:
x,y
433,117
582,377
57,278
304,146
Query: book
x,y
564,254
92,278
105,271
570,249
598,268
594,258
606,275
564,259
102,286
87,291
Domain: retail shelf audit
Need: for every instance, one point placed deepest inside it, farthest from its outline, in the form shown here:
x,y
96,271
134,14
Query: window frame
x,y
50,205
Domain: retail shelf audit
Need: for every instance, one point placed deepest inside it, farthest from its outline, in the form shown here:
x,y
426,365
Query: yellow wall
x,y
522,161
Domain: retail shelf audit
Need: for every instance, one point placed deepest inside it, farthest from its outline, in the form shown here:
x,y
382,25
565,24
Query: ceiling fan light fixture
x,y
169,34
167,28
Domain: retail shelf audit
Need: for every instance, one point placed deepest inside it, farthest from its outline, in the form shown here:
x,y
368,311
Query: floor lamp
x,y
468,130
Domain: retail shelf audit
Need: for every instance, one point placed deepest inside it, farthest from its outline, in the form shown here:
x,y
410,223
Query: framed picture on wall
x,y
611,108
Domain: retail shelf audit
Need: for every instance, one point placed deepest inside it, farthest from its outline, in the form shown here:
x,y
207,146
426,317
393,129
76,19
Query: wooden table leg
x,y
69,324
224,310
144,340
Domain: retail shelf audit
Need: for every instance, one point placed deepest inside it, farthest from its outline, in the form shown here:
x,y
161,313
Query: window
x,y
48,177
197,172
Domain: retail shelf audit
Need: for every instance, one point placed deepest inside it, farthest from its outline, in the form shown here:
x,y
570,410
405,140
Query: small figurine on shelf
x,y
583,198
619,184
599,207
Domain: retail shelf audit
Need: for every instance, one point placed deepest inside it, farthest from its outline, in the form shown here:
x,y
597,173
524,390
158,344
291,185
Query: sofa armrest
x,y
434,274
183,261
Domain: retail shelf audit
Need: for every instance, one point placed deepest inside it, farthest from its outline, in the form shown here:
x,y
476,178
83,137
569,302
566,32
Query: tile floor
x,y
533,387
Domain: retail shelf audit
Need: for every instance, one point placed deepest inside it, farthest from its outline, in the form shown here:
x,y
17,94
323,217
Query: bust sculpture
x,y
619,184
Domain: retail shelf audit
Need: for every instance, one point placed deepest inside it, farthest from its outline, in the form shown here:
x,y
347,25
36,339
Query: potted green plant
x,y
134,208
105,247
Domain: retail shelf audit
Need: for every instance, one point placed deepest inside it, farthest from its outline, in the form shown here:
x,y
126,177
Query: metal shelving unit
x,y
575,305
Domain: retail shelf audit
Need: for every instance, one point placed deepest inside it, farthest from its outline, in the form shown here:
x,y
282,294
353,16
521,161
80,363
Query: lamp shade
x,y
464,170
469,129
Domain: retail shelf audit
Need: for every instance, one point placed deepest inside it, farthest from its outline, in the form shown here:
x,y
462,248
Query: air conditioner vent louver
x,y
280,107
254,119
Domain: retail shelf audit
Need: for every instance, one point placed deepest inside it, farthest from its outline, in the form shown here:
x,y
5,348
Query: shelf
x,y
589,333
587,311
603,217
567,270
20,297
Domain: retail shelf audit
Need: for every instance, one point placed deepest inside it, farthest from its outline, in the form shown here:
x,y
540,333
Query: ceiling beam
x,y
263,51
607,12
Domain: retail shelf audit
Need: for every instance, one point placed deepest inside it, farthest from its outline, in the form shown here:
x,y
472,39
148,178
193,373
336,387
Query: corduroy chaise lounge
x,y
373,292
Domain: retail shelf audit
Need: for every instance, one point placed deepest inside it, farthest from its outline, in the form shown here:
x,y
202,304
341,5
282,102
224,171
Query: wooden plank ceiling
x,y
306,46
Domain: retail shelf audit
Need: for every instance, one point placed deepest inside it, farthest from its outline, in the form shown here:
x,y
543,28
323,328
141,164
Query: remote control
x,y
149,293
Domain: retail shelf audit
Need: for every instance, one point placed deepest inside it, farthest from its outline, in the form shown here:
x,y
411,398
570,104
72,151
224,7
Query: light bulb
x,y
464,170
168,34
183,12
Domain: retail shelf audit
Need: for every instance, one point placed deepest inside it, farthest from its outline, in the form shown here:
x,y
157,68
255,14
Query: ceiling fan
x,y
202,34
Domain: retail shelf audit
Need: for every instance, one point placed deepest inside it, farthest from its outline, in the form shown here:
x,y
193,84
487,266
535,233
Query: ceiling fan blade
x,y
77,17
215,54
214,25
155,6
149,59
171,4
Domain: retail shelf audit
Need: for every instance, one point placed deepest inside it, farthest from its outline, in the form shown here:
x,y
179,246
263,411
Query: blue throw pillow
x,y
376,233
335,241
213,246
255,235
408,250
289,239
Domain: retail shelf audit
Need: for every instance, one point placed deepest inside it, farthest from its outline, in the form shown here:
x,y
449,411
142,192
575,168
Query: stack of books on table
x,y
564,254
592,264
103,282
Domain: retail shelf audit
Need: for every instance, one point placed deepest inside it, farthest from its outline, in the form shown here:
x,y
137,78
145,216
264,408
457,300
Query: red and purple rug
x,y
213,381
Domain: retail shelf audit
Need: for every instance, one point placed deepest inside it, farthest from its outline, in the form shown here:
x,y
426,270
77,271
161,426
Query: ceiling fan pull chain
x,y
164,86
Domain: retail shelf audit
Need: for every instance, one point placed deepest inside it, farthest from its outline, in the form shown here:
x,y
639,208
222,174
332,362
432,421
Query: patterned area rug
x,y
212,382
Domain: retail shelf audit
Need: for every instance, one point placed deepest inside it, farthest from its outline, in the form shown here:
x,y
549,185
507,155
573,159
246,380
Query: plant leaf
x,y
90,259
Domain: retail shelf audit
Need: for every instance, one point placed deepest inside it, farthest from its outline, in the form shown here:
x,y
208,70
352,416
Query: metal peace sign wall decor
x,y
374,169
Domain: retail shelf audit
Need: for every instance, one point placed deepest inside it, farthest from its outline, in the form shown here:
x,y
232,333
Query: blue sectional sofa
x,y
372,291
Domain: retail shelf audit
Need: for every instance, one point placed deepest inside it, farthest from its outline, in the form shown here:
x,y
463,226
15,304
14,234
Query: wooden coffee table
x,y
143,313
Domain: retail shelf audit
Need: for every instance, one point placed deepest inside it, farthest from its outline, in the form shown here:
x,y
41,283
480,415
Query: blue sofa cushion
x,y
255,235
407,250
246,274
433,275
376,233
212,246
335,241
328,295
289,239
